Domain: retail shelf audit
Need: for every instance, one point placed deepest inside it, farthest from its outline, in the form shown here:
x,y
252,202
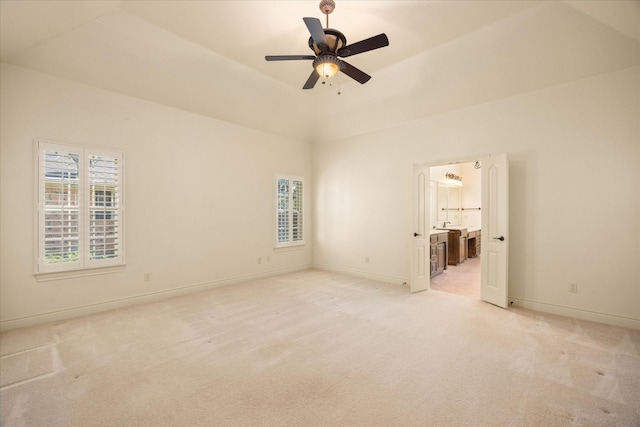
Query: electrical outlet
x,y
366,259
259,260
573,288
147,277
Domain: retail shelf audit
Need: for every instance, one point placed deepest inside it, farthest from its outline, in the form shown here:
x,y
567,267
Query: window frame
x,y
301,229
87,187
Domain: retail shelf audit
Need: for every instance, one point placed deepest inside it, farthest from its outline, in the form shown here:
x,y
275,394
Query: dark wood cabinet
x,y
439,255
457,246
473,243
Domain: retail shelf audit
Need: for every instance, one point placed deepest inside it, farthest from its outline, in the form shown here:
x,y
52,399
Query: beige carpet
x,y
317,348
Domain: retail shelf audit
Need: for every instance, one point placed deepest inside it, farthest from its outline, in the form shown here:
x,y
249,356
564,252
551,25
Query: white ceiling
x,y
186,54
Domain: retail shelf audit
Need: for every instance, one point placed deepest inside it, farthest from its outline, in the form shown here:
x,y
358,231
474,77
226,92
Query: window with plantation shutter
x,y
289,211
80,208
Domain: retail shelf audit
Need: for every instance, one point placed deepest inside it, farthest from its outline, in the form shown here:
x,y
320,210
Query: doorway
x,y
493,236
456,201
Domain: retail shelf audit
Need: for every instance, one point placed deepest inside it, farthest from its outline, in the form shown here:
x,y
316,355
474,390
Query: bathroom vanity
x,y
439,252
473,242
457,245
462,243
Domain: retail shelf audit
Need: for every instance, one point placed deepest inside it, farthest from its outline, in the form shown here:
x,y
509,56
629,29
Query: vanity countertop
x,y
437,231
452,227
459,227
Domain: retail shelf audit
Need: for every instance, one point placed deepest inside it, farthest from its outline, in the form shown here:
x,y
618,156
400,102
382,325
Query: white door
x,y
420,239
495,230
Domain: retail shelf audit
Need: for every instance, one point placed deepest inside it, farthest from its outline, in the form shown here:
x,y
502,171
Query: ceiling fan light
x,y
326,66
327,69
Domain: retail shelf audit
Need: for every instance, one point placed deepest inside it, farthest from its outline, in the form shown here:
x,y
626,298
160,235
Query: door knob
x,y
416,234
501,238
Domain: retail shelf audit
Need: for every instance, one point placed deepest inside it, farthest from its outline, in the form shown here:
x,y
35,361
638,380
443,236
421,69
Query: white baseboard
x,y
609,319
69,313
364,274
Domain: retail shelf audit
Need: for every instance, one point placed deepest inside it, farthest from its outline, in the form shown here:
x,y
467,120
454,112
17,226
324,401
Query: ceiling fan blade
x,y
311,81
356,74
365,45
288,57
317,33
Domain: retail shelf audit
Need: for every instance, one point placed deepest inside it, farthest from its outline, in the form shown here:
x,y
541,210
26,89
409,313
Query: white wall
x,y
471,194
574,192
199,196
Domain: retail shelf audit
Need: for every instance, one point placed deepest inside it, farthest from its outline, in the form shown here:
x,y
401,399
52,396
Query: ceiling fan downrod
x,y
327,6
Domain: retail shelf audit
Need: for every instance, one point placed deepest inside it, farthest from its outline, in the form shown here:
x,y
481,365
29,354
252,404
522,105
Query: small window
x,y
80,208
289,211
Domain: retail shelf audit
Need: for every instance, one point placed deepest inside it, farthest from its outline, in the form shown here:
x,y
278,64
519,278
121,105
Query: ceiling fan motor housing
x,y
335,41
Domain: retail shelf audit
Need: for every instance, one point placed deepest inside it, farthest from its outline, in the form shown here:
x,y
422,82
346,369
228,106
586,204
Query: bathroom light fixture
x,y
452,179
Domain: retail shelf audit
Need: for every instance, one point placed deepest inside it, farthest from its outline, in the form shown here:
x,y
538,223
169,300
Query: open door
x,y
420,243
495,230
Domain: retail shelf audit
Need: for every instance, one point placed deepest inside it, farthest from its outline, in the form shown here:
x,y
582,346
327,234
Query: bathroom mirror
x,y
442,204
449,204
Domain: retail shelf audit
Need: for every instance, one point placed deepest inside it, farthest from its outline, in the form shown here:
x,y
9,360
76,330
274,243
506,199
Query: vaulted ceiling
x,y
207,57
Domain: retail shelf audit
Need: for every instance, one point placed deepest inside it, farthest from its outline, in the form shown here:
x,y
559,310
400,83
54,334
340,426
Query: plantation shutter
x,y
59,208
104,208
296,211
283,210
290,214
80,208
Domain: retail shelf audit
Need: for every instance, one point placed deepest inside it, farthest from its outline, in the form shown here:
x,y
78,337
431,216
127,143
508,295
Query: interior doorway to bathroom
x,y
456,202
493,237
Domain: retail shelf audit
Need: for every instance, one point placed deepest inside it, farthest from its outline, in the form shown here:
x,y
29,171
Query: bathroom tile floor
x,y
462,279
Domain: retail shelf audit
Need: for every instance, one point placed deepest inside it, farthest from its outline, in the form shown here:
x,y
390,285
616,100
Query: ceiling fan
x,y
330,46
